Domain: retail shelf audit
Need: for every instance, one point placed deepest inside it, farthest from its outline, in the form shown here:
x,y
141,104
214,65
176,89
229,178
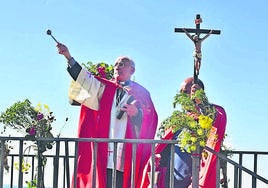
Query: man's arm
x,y
204,105
207,35
188,34
137,119
86,88
74,68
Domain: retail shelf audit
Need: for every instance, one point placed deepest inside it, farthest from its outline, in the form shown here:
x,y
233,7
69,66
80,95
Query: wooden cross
x,y
197,41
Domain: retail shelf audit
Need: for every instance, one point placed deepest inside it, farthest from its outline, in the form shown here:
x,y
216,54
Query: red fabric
x,y
158,149
207,174
95,124
160,176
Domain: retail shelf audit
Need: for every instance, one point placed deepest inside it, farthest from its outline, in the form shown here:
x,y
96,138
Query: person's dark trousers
x,y
119,178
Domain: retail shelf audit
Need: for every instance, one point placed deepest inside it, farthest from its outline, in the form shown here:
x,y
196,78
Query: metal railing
x,y
239,169
61,163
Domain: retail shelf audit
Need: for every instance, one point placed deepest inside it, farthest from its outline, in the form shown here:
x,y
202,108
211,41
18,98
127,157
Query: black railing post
x,y
40,168
12,171
75,165
56,165
115,165
94,163
152,173
240,171
134,150
67,163
20,164
2,156
235,177
171,172
195,166
33,168
255,170
218,173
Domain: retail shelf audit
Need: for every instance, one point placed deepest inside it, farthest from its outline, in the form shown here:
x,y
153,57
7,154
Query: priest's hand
x,y
130,109
63,50
194,88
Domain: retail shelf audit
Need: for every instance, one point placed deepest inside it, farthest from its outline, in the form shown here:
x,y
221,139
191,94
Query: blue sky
x,y
234,65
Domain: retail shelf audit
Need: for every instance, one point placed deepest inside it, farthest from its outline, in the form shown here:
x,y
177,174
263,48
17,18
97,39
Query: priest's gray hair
x,y
125,59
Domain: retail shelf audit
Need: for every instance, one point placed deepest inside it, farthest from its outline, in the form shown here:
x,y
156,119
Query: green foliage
x,y
32,184
33,123
19,116
194,120
100,69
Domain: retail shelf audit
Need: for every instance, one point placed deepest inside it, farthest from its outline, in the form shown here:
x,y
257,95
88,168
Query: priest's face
x,y
123,69
186,87
189,87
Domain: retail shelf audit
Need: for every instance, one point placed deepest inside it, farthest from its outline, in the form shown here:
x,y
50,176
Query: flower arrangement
x,y
194,120
33,123
100,69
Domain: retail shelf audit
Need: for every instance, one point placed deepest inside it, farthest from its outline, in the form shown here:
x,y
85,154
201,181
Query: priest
x,y
182,175
118,109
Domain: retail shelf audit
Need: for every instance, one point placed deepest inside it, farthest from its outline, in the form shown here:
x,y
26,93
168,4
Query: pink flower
x,y
102,72
32,131
194,115
40,116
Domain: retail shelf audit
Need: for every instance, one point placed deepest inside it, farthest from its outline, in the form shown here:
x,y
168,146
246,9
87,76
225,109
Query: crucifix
x,y
197,40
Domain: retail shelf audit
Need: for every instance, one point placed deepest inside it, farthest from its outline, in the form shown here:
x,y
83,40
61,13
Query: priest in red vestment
x,y
182,160
117,109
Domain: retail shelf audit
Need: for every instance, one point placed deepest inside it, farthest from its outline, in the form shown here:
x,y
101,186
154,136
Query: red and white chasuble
x,y
98,120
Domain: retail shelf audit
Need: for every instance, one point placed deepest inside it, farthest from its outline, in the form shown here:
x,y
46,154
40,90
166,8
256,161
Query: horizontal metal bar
x,y
149,141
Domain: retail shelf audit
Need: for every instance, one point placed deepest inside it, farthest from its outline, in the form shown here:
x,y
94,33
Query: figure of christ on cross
x,y
197,41
197,54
